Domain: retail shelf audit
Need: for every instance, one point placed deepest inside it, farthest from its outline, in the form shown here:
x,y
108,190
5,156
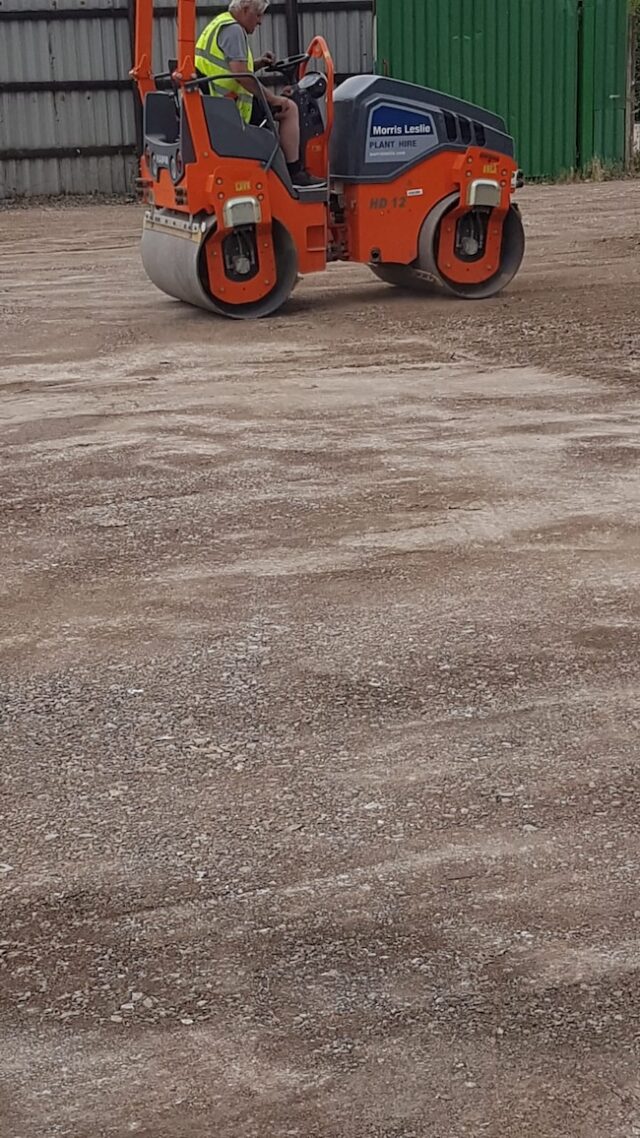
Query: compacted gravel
x,y
319,660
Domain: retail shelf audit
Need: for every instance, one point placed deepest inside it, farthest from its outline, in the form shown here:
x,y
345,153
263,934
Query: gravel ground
x,y
319,660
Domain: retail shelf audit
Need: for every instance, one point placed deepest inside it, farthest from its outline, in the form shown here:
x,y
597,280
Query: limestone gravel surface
x,y
320,718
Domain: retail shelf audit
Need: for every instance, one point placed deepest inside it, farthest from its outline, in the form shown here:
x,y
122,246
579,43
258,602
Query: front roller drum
x,y
427,274
174,256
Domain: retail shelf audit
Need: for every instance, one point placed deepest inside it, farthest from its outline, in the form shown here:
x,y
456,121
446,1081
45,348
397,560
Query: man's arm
x,y
238,66
233,42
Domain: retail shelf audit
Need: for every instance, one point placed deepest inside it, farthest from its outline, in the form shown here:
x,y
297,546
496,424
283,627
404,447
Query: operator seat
x,y
168,141
230,138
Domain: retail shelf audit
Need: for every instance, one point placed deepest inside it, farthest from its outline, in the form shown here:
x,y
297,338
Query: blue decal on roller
x,y
397,134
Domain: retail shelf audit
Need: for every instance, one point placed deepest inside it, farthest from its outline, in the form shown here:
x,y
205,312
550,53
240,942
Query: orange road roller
x,y
415,184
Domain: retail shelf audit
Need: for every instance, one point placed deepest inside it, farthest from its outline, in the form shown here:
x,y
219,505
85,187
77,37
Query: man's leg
x,y
289,123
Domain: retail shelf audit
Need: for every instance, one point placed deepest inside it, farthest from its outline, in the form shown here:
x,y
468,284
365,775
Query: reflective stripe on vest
x,y
210,60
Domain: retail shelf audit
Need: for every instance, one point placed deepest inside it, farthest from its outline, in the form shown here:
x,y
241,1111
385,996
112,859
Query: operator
x,y
223,47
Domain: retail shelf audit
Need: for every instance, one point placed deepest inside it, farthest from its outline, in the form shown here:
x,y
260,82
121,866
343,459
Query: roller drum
x,y
174,260
424,274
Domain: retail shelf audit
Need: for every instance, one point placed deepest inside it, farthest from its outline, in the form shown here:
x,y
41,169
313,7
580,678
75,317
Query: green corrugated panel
x,y
604,76
517,57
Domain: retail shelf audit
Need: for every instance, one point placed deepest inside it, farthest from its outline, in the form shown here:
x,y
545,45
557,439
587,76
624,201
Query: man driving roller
x,y
223,47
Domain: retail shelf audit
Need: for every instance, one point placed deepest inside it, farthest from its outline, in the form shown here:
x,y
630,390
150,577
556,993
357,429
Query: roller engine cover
x,y
383,127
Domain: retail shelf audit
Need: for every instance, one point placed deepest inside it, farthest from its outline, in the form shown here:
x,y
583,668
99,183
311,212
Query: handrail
x,y
319,49
142,71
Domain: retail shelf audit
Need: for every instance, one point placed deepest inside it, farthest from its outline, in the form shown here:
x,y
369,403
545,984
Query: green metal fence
x,y
603,97
556,69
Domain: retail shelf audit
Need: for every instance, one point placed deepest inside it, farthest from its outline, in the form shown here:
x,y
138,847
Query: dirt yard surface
x,y
320,711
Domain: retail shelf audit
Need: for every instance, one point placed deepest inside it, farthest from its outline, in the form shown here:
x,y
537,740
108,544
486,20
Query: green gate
x,y
556,69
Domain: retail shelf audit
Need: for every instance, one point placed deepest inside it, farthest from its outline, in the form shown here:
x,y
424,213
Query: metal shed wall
x,y
556,69
347,25
605,76
67,121
67,111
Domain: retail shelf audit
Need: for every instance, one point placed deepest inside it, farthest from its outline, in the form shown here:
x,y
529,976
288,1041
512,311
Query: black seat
x,y
161,122
168,139
230,138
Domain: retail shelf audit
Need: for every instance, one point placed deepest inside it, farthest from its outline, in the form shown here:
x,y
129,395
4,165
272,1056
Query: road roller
x,y
416,184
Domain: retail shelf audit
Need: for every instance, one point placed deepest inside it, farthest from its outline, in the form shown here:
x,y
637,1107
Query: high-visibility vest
x,y
211,62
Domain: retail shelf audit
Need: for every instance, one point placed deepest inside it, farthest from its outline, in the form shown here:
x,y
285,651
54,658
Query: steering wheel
x,y
288,64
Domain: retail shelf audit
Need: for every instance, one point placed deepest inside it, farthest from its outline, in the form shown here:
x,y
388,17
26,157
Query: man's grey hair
x,y
258,6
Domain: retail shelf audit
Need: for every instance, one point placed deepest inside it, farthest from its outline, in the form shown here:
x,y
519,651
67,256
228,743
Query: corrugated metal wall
x,y
347,28
556,69
604,97
66,111
346,25
67,117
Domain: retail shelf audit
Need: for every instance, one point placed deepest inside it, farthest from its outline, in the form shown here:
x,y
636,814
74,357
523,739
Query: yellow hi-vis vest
x,y
211,62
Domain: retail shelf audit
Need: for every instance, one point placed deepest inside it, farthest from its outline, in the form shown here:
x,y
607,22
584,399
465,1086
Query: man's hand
x,y
279,106
265,60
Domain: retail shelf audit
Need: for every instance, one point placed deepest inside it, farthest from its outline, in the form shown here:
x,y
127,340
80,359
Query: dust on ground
x,y
320,658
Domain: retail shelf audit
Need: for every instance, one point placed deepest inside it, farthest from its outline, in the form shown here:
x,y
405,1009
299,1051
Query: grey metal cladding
x,y
67,111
